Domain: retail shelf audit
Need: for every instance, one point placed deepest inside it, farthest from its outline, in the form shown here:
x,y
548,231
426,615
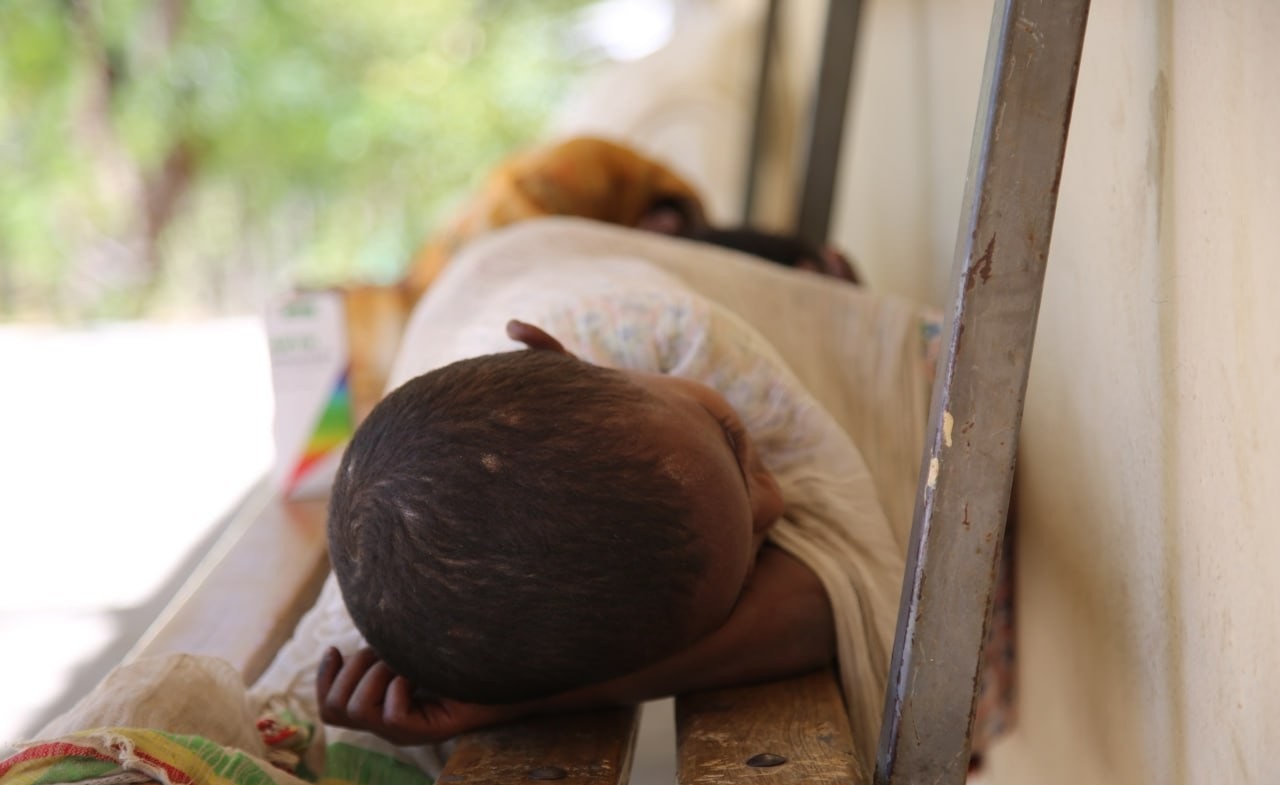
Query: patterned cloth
x,y
125,756
131,755
189,719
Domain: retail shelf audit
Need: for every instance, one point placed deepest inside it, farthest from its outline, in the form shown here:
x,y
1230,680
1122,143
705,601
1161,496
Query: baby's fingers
x,y
364,707
330,664
399,705
407,719
334,689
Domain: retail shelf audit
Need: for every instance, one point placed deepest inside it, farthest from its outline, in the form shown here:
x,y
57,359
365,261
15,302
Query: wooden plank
x,y
244,600
802,720
586,748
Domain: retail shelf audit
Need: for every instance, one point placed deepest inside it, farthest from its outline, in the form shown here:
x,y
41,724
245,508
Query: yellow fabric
x,y
163,757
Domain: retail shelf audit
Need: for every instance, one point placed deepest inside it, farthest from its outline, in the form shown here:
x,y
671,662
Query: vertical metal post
x,y
755,146
1033,57
826,130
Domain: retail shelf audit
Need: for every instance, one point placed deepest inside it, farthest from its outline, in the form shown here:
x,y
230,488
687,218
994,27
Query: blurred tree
x,y
180,154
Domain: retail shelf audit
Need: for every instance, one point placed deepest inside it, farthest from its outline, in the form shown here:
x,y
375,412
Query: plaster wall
x,y
1149,599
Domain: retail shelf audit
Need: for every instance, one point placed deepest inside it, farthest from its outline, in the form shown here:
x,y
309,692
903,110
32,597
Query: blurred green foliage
x,y
179,155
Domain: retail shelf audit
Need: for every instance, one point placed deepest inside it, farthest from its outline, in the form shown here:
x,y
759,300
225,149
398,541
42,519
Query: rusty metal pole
x,y
1033,56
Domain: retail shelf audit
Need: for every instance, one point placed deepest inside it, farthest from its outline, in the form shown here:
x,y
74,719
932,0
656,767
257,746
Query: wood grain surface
x,y
586,748
801,719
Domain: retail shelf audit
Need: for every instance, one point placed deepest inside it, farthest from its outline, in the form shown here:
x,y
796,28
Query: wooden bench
x,y
248,594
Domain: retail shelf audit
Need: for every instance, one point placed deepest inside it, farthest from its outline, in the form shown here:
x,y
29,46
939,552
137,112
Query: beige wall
x,y
1150,552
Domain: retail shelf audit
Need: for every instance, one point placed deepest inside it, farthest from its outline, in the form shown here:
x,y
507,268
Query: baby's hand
x,y
362,692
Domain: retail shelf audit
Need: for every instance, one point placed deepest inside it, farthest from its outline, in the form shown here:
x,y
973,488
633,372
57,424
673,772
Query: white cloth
x,y
179,693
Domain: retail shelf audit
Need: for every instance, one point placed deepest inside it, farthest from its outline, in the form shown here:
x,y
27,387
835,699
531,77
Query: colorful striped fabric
x,y
119,756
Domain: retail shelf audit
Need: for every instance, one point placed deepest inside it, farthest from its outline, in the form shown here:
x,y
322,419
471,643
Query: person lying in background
x,y
583,177
601,180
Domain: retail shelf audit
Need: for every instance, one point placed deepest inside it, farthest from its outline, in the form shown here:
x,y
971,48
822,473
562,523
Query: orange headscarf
x,y
584,177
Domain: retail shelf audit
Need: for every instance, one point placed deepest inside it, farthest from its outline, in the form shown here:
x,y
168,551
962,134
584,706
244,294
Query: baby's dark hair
x,y
501,534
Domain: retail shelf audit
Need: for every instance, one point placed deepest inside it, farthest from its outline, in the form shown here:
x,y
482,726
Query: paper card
x,y
309,370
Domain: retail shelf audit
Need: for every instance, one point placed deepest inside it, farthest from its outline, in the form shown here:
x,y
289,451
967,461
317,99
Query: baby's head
x,y
515,525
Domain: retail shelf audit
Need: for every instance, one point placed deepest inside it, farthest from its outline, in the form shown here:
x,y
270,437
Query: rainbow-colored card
x,y
309,369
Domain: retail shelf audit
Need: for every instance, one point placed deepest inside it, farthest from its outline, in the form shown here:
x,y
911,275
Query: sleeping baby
x,y
640,502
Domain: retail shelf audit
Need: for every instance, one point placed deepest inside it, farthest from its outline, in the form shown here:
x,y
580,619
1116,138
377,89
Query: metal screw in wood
x,y
765,760
547,773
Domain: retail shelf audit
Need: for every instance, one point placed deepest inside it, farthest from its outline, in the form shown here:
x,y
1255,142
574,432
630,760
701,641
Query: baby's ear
x,y
534,337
